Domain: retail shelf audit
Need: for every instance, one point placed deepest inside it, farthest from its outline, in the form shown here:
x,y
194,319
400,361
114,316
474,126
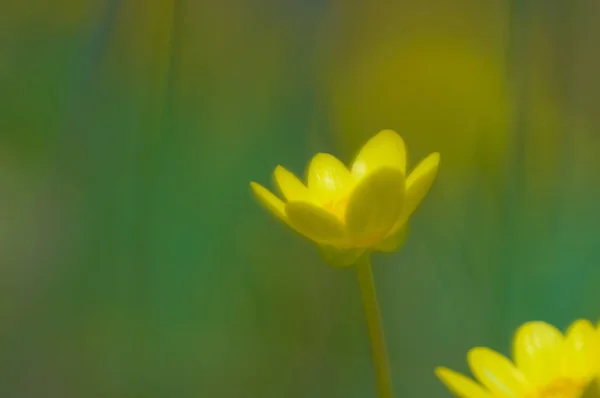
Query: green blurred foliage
x,y
134,262
592,391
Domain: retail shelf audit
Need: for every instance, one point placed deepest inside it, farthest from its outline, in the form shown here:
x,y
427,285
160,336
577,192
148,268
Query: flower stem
x,y
375,327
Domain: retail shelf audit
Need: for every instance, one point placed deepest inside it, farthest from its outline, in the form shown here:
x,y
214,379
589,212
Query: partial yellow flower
x,y
348,212
598,344
546,364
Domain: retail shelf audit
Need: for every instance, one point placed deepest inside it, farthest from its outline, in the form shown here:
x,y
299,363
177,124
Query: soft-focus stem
x,y
375,327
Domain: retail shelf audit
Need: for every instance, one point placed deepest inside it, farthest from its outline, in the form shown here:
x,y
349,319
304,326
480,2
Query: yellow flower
x,y
348,212
598,345
547,364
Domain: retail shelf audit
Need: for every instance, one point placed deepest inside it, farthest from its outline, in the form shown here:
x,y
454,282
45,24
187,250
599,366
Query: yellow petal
x,y
386,149
374,207
314,222
580,359
460,385
420,181
339,257
537,350
328,178
394,240
497,373
290,186
269,201
418,184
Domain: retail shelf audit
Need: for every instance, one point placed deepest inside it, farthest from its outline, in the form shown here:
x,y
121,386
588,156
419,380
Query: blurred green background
x,y
135,263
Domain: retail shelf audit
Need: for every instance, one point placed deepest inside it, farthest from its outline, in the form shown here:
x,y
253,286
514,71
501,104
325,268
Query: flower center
x,y
561,388
338,207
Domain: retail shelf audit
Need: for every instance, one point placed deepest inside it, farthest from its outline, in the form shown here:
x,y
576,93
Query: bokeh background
x,y
135,263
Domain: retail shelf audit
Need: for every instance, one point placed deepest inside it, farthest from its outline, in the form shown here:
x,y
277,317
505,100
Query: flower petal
x,y
339,257
386,149
460,385
290,186
420,180
537,350
374,207
580,359
328,178
418,184
497,373
393,240
271,202
314,222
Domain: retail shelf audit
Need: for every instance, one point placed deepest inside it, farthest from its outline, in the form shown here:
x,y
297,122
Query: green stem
x,y
374,324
